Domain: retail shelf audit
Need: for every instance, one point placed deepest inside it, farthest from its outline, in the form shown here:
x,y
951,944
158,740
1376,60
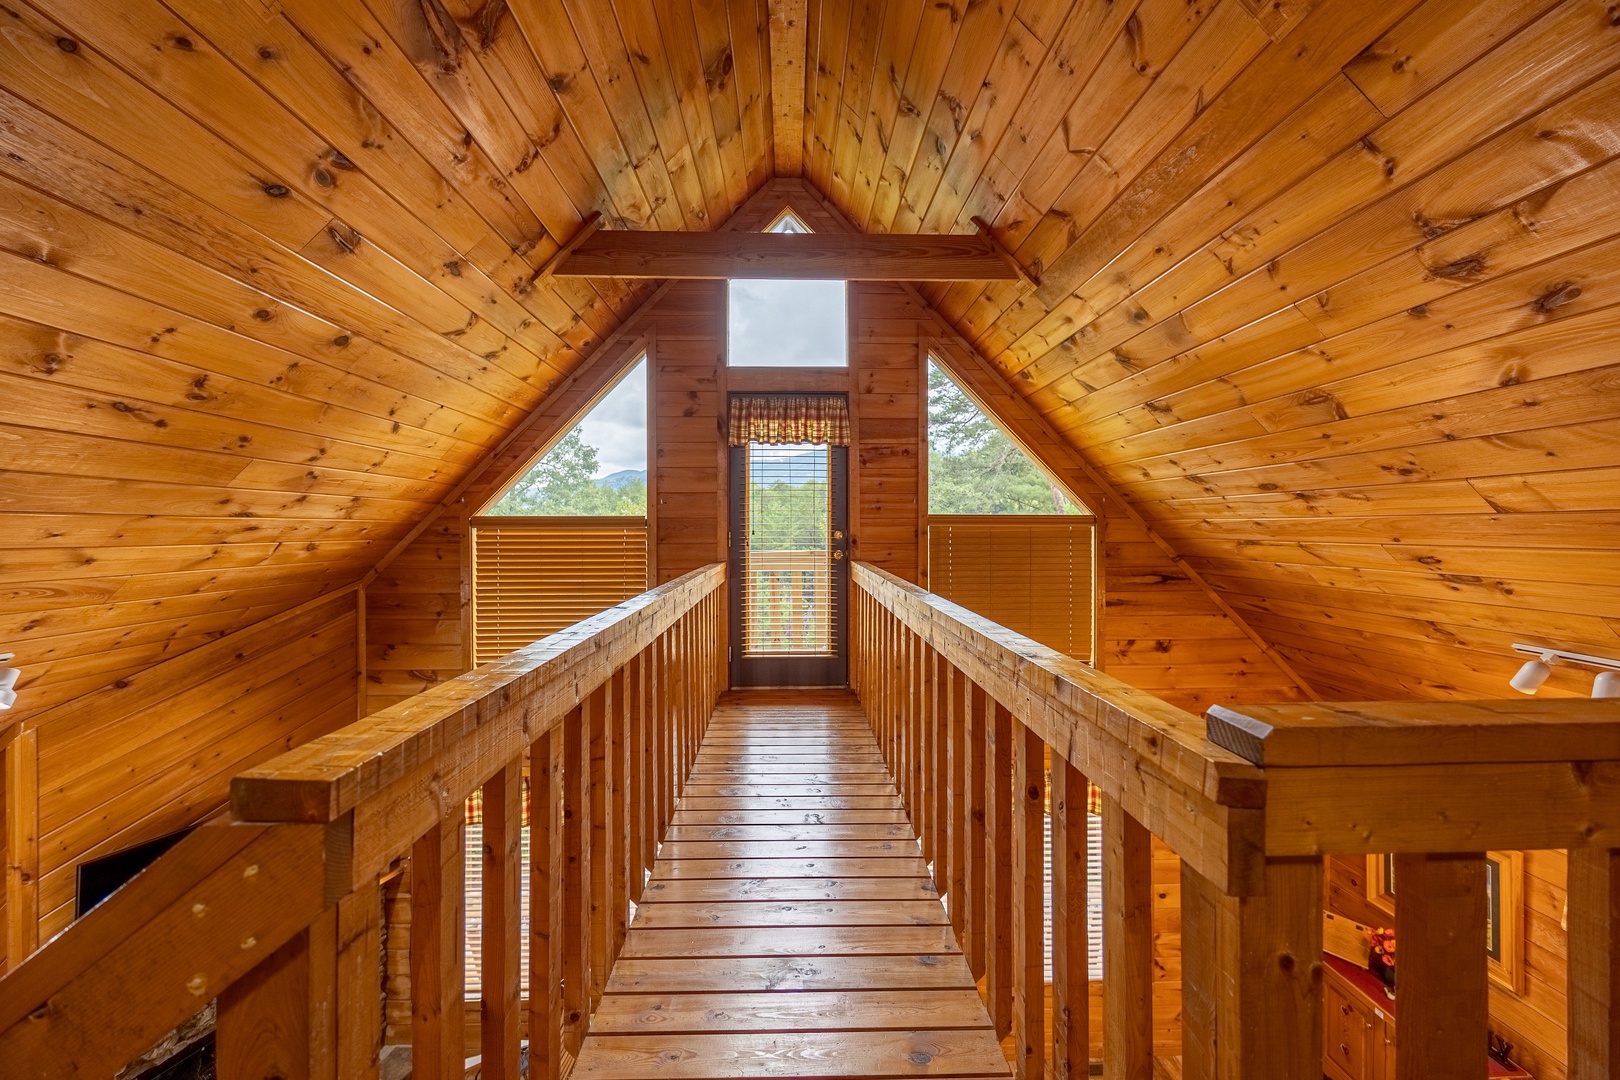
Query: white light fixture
x,y
8,683
1534,673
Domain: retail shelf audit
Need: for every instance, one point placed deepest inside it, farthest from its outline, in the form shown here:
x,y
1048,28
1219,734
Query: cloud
x,y
617,427
788,323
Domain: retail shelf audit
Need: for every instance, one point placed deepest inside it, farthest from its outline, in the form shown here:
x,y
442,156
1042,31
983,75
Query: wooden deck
x,y
790,927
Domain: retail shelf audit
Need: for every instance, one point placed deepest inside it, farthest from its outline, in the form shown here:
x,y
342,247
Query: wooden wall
x,y
418,619
155,751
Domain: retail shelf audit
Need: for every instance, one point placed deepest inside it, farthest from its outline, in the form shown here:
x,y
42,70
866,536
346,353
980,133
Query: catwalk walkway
x,y
790,927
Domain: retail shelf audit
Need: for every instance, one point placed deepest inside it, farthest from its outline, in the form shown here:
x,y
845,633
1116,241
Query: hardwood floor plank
x,y
790,926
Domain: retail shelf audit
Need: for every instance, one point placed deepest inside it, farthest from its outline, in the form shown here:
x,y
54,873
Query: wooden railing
x,y
276,914
968,712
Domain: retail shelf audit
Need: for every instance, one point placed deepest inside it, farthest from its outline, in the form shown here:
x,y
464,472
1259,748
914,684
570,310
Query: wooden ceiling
x,y
1326,288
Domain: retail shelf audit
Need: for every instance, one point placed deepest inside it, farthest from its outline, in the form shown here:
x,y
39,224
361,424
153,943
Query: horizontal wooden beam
x,y
843,256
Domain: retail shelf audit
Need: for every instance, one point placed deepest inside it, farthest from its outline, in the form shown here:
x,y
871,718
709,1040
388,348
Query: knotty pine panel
x,y
418,620
155,751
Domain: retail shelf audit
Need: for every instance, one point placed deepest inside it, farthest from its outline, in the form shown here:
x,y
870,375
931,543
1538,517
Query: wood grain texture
x,y
733,980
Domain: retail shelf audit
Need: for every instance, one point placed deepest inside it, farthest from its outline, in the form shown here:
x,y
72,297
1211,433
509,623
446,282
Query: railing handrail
x,y
1150,756
329,815
327,777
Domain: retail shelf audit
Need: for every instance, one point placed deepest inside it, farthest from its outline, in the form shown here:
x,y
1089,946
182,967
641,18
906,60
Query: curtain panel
x,y
777,419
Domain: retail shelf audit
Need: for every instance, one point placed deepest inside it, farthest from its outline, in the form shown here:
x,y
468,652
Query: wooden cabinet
x,y
1358,1019
1358,1041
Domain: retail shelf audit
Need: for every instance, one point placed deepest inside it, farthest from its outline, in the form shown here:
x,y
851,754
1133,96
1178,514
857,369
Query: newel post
x,y
1252,975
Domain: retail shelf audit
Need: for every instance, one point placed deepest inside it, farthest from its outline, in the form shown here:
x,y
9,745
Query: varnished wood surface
x,y
789,941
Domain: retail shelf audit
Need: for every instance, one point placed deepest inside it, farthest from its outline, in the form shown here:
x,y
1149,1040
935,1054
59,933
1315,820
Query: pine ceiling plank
x,y
788,77
653,144
824,92
1536,450
901,21
31,223
1301,63
1079,46
751,33
719,63
1591,529
1484,99
984,30
426,38
1516,302
116,414
852,105
931,49
202,363
146,40
1216,56
1433,43
28,530
59,494
695,174
52,157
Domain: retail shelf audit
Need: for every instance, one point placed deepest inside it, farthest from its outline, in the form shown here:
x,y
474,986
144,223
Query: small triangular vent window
x,y
598,468
974,467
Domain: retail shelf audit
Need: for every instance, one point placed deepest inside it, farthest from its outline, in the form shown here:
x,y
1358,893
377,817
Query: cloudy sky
x,y
617,427
788,324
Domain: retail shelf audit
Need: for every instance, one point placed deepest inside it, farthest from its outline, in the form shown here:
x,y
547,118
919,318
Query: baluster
x,y
1439,924
958,806
978,761
577,876
597,707
939,766
1594,963
359,1004
903,748
621,835
1029,949
500,1003
1127,946
1071,949
999,975
280,1019
548,863
438,932
639,803
1252,976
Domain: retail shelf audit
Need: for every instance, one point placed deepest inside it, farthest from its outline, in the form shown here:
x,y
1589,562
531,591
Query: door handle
x,y
837,553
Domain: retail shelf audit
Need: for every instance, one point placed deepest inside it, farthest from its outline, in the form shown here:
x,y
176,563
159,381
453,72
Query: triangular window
x,y
599,468
974,467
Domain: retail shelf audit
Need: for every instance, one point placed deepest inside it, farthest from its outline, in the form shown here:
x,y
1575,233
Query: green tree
x,y
974,467
563,484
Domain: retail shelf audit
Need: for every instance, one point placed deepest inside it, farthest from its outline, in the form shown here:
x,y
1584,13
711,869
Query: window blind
x,y
535,576
1030,574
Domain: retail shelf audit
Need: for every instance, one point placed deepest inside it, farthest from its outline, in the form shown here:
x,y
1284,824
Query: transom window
x,y
773,322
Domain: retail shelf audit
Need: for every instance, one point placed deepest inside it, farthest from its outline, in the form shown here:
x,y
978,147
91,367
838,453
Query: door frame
x,y
832,669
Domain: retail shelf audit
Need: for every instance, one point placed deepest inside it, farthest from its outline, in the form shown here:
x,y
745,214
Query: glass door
x,y
789,570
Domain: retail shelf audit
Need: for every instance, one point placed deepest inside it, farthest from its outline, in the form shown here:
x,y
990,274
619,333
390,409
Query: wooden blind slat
x,y
1034,577
533,577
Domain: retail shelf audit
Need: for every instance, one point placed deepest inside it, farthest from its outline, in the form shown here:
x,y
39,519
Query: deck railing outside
x,y
968,713
275,913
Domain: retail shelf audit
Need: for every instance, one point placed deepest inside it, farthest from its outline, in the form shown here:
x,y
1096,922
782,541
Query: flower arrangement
x,y
1381,954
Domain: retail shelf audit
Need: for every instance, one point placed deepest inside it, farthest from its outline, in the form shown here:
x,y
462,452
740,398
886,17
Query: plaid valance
x,y
788,418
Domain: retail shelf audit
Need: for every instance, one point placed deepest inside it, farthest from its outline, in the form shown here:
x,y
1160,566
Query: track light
x,y
1535,672
8,683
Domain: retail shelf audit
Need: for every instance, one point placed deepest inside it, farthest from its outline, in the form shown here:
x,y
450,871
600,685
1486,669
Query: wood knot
x,y
277,191
67,44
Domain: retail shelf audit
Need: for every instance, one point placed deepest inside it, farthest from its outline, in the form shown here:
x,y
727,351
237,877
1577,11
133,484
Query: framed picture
x,y
1504,911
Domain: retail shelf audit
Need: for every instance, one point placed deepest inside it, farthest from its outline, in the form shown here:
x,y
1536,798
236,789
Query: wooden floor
x,y
790,927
